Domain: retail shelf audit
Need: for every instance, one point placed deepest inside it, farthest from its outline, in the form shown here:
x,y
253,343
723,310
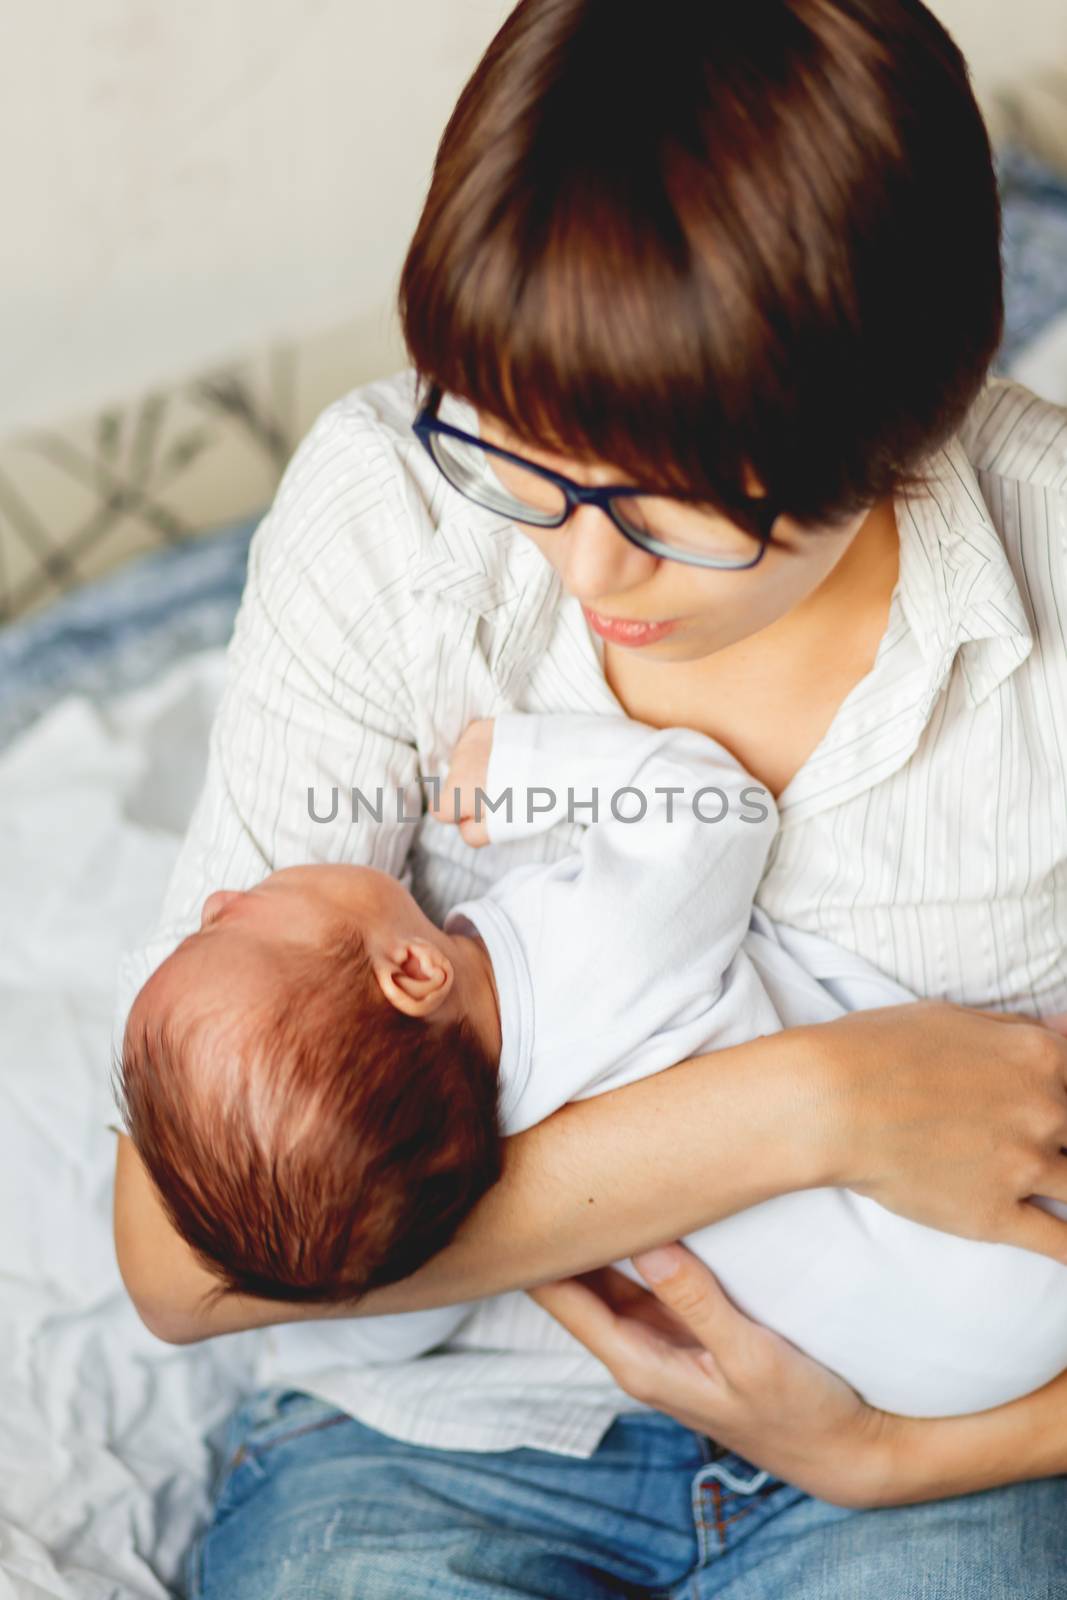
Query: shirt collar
x,y
957,590
479,561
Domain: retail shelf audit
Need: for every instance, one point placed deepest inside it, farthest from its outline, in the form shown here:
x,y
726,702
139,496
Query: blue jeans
x,y
311,1505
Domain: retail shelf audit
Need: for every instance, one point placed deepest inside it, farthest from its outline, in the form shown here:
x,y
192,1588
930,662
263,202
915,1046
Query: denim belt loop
x,y
732,1480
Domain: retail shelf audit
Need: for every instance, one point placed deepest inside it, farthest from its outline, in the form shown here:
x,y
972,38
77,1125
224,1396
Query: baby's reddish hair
x,y
318,1145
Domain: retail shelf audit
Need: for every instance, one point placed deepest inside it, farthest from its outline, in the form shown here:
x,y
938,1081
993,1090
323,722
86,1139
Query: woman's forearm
x,y
938,1458
643,1165
952,1117
601,1179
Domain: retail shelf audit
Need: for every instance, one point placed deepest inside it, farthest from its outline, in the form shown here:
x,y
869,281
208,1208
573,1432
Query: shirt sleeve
x,y
314,700
636,935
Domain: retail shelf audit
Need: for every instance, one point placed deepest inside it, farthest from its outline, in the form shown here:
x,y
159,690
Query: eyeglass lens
x,y
514,491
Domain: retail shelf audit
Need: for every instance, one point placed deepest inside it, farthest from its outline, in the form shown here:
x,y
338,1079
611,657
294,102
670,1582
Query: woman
x,y
745,259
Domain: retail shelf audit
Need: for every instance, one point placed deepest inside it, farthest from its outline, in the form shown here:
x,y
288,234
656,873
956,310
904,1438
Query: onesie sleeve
x,y
631,938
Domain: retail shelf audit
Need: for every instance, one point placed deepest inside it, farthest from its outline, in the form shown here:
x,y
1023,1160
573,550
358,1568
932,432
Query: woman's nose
x,y
595,560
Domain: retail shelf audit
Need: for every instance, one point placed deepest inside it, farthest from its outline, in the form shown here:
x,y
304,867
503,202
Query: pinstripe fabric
x,y
927,831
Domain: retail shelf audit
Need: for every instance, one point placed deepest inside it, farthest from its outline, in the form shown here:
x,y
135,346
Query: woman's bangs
x,y
570,350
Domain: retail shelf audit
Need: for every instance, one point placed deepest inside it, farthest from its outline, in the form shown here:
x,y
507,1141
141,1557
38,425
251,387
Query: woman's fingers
x,y
1057,1024
693,1295
650,1363
621,1293
584,1313
1053,1186
1008,1016
951,1121
635,1304
719,1373
631,1331
1034,1228
626,1298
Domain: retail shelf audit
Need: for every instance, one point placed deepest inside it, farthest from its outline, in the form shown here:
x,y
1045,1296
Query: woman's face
x,y
703,609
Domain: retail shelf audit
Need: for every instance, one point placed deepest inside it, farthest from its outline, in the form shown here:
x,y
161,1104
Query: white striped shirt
x,y
927,832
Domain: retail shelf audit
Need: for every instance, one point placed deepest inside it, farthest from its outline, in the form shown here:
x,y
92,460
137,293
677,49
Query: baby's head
x,y
311,1082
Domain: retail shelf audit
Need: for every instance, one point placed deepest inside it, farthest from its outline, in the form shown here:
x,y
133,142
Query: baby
x,y
319,1079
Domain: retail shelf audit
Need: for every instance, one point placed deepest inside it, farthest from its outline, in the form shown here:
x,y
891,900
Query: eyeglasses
x,y
674,527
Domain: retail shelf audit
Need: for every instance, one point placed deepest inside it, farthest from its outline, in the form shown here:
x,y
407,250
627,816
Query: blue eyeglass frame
x,y
765,514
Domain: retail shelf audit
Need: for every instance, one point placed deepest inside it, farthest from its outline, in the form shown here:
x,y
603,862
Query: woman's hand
x,y
693,1355
686,1350
953,1117
457,800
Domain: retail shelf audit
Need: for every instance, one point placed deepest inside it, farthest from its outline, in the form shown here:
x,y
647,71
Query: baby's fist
x,y
467,773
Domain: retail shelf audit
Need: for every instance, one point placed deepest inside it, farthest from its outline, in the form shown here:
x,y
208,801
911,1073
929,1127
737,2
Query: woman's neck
x,y
857,590
770,697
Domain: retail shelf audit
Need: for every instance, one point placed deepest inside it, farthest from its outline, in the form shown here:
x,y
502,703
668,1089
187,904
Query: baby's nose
x,y
214,904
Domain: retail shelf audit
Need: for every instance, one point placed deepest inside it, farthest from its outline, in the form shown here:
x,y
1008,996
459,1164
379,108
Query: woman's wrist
x,y
830,1073
936,1458
897,1461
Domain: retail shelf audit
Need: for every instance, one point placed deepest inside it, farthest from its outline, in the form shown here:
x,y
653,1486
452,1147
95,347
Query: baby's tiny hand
x,y
467,772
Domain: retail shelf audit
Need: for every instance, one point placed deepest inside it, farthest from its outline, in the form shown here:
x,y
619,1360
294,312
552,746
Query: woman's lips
x,y
633,634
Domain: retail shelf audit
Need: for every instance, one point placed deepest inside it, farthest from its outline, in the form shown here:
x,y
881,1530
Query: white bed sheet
x,y
107,1435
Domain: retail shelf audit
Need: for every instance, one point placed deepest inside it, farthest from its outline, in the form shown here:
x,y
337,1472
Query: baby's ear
x,y
414,976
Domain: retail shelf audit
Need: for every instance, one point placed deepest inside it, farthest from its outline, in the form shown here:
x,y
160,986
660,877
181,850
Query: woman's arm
x,y
950,1116
597,1180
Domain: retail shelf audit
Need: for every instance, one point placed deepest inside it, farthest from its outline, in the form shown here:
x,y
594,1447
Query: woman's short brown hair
x,y
694,236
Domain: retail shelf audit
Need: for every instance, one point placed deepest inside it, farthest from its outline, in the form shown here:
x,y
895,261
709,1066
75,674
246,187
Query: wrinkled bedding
x,y
107,1436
